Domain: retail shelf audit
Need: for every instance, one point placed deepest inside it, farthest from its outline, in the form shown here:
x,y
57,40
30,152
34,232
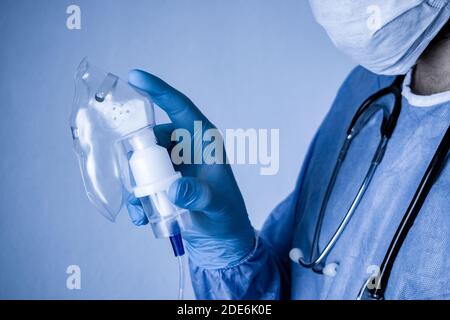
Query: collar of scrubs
x,y
422,101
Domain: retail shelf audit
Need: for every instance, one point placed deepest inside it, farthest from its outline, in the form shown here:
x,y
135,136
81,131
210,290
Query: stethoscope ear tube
x,y
389,127
389,123
432,172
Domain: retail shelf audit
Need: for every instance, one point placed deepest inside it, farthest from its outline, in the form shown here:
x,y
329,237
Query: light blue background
x,y
247,64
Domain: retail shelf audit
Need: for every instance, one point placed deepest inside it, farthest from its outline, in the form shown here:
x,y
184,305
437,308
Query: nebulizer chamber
x,y
151,183
112,127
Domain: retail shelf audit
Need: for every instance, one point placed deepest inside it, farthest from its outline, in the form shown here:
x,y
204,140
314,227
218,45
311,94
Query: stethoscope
x,y
375,286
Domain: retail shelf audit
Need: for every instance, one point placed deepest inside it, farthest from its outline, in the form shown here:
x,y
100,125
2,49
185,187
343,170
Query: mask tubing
x,y
181,277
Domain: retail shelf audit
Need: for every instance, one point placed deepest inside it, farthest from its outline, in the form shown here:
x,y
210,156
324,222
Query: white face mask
x,y
384,36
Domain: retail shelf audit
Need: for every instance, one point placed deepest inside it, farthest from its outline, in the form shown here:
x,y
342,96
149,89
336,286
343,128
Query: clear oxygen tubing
x,y
181,277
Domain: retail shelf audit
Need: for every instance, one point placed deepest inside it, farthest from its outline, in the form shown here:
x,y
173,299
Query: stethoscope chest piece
x,y
329,269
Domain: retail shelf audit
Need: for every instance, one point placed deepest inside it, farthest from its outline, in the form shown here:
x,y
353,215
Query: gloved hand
x,y
221,233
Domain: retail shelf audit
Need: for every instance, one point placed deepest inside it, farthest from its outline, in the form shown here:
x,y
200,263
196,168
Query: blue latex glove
x,y
221,235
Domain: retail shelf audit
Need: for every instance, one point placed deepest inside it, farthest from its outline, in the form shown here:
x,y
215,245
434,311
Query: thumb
x,y
194,194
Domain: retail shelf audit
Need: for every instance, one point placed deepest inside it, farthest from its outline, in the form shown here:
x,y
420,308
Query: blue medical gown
x,y
422,268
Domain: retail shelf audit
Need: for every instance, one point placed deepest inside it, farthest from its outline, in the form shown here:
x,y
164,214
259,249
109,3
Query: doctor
x,y
229,260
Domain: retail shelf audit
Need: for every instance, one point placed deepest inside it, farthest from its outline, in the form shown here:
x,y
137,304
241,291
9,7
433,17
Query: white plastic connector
x,y
153,174
152,170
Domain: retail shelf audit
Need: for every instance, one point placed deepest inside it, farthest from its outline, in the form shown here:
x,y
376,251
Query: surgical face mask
x,y
384,36
112,128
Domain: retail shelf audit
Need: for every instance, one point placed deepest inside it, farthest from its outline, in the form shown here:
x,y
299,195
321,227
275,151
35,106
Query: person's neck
x,y
432,72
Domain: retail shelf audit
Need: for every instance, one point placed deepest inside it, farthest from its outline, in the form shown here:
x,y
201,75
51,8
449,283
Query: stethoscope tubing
x,y
360,194
364,113
434,168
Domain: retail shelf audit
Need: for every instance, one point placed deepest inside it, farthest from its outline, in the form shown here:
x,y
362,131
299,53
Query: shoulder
x,y
356,88
360,84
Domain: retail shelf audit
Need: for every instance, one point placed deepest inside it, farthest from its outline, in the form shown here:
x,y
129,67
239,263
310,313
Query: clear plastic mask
x,y
105,110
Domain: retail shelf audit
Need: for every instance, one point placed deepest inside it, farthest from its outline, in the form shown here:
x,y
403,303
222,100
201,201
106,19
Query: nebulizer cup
x,y
119,156
151,183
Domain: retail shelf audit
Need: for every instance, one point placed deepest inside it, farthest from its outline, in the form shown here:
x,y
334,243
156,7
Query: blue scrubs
x,y
422,268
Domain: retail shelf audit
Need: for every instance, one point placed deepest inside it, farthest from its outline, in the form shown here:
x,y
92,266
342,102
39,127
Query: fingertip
x,y
189,193
141,222
182,192
134,201
173,191
137,214
137,77
147,82
133,72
